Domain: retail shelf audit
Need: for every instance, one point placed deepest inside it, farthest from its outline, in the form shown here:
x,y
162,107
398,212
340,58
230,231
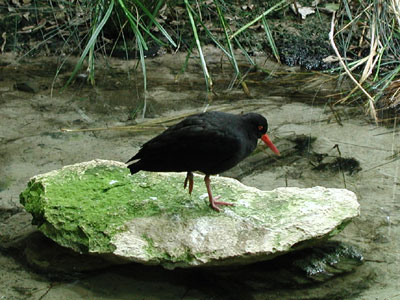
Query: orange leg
x,y
189,178
213,202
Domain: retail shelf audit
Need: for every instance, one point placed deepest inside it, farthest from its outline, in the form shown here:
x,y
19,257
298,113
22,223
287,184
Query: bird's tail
x,y
134,168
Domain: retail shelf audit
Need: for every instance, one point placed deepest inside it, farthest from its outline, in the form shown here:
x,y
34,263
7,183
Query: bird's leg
x,y
189,177
213,202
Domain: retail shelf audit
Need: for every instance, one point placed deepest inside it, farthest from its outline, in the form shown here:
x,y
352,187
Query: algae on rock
x,y
98,207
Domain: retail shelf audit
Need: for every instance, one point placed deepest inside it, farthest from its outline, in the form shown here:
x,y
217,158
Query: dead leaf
x,y
28,28
305,11
333,58
248,7
26,16
180,10
60,15
4,36
16,3
330,7
330,58
42,22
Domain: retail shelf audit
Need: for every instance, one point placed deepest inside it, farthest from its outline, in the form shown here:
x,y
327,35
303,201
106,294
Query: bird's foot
x,y
189,178
214,204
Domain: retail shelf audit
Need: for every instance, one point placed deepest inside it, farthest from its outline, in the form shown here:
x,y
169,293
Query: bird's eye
x,y
260,127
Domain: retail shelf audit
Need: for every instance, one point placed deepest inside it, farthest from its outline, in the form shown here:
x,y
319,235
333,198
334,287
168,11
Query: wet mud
x,y
43,129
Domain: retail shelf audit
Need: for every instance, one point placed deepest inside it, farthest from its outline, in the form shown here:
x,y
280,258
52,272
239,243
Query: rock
x,y
28,86
98,207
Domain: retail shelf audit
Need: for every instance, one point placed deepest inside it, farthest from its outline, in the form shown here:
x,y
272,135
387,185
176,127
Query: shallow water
x,y
32,142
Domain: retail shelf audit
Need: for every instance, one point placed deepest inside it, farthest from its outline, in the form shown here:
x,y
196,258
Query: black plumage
x,y
210,142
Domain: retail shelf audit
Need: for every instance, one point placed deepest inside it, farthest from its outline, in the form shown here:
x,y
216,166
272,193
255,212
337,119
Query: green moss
x,y
83,209
159,256
32,198
84,206
150,248
339,228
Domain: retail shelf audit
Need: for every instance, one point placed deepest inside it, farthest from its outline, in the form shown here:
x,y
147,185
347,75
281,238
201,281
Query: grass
x,y
365,38
368,36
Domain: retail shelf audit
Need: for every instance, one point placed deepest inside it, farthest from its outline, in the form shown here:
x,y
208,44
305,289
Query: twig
x,y
47,290
335,114
355,18
340,164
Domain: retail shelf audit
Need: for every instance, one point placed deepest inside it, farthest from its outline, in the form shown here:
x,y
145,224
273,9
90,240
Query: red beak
x,y
265,138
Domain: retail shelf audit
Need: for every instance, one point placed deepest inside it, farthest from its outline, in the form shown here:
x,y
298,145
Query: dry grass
x,y
369,38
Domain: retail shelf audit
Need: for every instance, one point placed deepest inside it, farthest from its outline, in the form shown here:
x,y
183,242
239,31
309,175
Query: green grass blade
x,y
280,4
142,46
90,43
228,42
249,59
155,12
151,16
209,33
271,40
143,64
233,60
134,24
347,8
189,52
202,59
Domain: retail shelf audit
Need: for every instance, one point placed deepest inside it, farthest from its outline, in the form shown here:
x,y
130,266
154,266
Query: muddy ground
x,y
33,113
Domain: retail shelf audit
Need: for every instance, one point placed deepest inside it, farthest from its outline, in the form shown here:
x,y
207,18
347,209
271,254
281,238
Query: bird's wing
x,y
200,137
193,144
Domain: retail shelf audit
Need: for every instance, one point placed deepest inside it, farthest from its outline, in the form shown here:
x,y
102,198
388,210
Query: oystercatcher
x,y
210,142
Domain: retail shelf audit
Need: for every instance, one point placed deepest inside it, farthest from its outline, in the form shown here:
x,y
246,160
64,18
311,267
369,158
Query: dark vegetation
x,y
364,42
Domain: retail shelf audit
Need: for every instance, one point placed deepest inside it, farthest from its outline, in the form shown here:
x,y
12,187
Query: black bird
x,y
210,142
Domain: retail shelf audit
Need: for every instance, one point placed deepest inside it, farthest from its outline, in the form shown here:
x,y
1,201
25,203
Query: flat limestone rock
x,y
98,207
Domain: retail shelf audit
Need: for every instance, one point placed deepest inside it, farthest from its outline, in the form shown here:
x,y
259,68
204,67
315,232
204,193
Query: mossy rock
x,y
98,207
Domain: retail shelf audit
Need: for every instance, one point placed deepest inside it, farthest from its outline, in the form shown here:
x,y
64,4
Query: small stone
x,y
27,86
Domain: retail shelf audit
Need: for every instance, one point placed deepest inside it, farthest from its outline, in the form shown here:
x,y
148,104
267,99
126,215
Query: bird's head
x,y
260,125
